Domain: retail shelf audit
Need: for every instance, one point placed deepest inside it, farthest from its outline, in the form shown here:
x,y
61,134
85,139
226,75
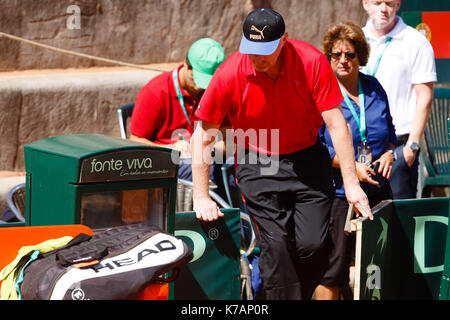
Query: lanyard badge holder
x,y
180,96
365,154
182,105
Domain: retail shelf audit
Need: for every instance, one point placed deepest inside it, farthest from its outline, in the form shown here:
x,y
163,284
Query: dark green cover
x,y
61,169
214,272
406,241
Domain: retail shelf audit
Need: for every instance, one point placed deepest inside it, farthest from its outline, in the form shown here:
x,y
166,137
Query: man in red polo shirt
x,y
283,89
163,114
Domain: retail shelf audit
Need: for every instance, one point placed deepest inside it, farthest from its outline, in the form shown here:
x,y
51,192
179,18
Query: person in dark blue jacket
x,y
366,109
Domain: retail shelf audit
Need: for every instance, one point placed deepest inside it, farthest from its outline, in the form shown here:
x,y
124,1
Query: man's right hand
x,y
206,209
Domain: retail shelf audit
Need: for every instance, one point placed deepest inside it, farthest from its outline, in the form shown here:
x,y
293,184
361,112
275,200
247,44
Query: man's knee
x,y
276,244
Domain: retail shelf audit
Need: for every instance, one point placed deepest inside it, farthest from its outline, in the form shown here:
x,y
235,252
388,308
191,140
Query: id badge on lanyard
x,y
180,96
365,154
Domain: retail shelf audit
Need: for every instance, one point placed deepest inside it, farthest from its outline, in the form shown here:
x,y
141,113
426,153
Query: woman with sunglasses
x,y
366,109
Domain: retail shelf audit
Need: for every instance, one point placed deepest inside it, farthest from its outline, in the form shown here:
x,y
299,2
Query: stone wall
x,y
146,31
44,102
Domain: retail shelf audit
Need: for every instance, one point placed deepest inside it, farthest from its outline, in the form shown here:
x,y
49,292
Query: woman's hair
x,y
346,31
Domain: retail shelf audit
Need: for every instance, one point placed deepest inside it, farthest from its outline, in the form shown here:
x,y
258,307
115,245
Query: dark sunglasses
x,y
349,55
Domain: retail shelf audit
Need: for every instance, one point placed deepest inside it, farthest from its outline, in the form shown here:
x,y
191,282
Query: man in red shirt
x,y
163,114
283,89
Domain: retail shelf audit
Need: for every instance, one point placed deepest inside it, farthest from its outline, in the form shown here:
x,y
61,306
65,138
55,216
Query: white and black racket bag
x,y
114,264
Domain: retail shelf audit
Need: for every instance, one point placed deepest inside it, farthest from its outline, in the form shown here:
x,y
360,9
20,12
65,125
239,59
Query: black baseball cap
x,y
263,29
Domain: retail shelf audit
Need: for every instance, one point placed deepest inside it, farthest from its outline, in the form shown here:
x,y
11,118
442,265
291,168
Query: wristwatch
x,y
391,151
413,145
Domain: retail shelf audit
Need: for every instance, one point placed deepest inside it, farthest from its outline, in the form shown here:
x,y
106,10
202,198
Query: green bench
x,y
435,149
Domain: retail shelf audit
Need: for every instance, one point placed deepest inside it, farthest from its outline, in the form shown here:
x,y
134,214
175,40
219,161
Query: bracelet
x,y
391,151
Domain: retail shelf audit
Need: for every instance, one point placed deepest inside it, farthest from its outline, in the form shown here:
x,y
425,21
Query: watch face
x,y
414,146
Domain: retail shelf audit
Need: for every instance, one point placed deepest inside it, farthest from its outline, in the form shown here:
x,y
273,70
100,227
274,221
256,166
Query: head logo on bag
x,y
126,259
136,256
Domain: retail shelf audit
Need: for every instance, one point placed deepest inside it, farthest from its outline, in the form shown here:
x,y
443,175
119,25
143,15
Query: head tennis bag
x,y
114,264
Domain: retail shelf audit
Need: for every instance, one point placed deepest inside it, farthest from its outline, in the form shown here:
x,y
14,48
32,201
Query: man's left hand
x,y
356,196
409,155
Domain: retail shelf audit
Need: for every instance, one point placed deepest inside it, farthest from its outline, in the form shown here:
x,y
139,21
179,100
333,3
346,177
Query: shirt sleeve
x,y
424,65
216,101
147,114
326,91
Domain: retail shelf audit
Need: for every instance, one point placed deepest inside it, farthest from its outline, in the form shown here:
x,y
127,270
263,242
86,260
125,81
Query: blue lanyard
x,y
377,64
180,96
361,120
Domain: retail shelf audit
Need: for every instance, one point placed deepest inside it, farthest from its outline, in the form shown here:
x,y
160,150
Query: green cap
x,y
205,55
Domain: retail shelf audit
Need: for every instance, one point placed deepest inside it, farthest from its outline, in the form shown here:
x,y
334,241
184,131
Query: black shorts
x,y
342,245
291,209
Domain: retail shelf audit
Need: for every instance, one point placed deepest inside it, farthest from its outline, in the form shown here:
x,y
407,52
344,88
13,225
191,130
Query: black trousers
x,y
291,210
